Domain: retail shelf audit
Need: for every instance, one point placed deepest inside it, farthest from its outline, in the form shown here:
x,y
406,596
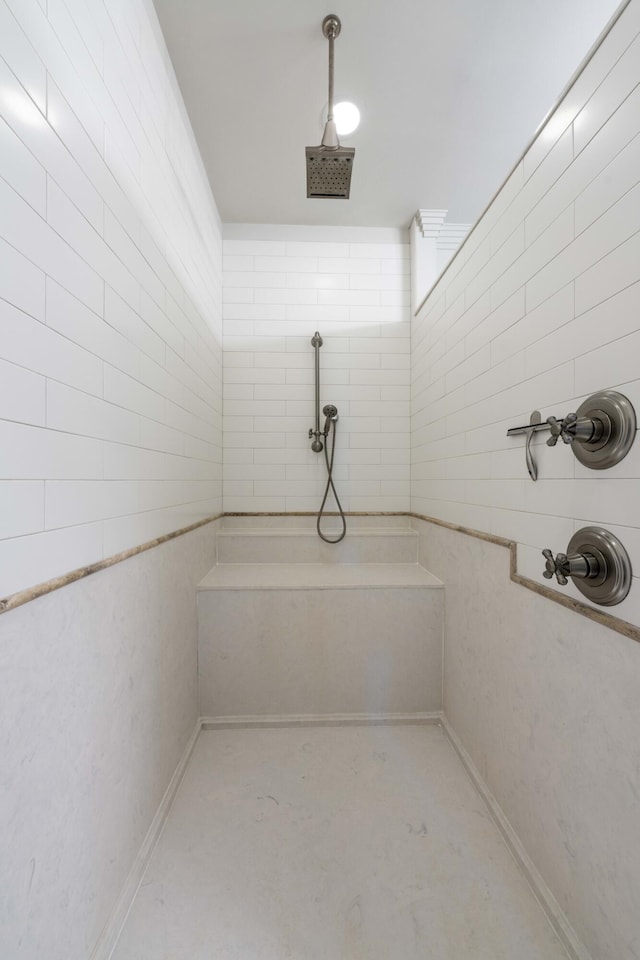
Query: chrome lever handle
x,y
600,432
532,467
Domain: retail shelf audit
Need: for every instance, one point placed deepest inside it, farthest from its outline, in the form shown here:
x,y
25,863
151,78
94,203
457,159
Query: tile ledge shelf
x,y
629,630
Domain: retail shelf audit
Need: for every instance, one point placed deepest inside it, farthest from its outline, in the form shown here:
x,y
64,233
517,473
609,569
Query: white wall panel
x,y
109,334
29,343
22,171
560,320
98,701
334,286
110,435
22,58
37,240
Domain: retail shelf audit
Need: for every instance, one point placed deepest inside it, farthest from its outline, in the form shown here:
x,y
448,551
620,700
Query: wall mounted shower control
x,y
600,432
597,563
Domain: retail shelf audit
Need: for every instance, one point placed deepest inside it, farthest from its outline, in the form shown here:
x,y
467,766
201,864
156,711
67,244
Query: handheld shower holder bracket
x,y
331,26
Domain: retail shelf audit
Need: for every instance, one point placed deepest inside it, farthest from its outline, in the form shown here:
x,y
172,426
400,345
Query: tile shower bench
x,y
359,634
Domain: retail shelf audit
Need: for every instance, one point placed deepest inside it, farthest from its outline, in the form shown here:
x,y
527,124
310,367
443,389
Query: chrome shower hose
x,y
330,486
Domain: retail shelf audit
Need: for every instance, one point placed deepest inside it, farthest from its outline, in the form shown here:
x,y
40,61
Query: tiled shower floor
x,y
332,843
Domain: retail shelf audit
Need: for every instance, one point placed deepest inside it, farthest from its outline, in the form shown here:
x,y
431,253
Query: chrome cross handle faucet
x,y
583,429
581,565
597,563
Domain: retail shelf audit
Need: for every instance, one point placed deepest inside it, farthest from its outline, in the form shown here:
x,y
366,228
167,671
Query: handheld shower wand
x,y
331,413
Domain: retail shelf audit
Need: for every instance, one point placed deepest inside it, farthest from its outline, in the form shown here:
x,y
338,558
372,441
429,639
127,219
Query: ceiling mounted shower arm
x,y
331,29
329,165
331,58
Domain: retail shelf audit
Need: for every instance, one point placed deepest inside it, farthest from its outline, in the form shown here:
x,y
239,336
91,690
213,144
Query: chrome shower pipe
x,y
331,29
317,445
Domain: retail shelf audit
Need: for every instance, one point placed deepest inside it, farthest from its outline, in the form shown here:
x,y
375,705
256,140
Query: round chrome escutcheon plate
x,y
617,412
613,584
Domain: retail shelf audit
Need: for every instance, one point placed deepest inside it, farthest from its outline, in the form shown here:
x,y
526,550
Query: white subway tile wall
x,y
110,292
280,285
540,308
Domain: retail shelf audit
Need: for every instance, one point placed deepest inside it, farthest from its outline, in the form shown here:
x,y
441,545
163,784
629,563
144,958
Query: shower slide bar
x,y
317,444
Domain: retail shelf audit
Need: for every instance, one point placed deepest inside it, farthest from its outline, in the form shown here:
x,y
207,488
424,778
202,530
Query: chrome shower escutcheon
x,y
597,563
600,432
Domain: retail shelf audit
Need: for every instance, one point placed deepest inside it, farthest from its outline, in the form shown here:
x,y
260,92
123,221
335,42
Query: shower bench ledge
x,y
317,576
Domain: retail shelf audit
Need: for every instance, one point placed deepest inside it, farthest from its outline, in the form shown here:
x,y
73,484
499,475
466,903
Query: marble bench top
x,y
324,576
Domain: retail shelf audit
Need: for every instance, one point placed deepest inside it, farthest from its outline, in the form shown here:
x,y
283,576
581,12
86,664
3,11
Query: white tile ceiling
x,y
449,92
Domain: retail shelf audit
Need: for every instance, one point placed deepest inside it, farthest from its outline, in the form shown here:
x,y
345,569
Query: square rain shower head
x,y
329,172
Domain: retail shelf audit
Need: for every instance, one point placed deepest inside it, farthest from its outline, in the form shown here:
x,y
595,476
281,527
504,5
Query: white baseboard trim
x,y
552,909
320,720
113,927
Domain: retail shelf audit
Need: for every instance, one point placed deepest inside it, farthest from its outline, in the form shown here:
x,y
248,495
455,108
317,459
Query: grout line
x,y
578,73
321,720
